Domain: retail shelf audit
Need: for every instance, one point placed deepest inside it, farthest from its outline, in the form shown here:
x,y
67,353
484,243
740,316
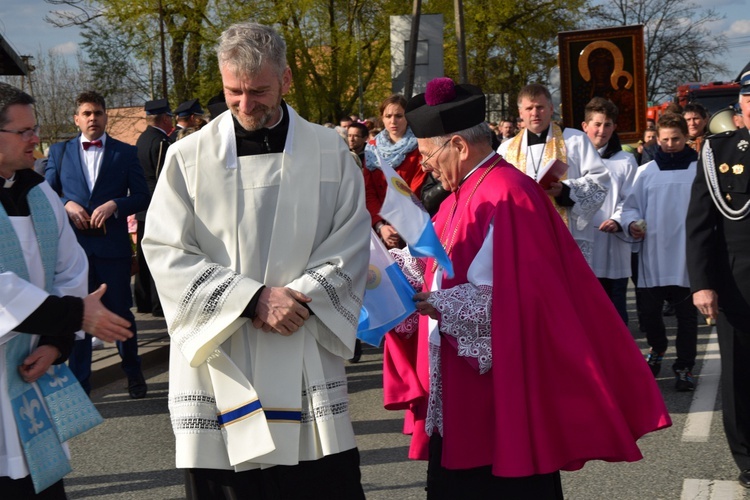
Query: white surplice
x,y
20,298
612,251
661,198
219,227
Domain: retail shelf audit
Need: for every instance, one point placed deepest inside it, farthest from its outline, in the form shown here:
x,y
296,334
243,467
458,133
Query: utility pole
x,y
165,95
30,69
359,69
461,41
411,57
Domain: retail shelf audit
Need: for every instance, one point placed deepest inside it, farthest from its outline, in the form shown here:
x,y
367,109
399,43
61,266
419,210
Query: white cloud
x,y
65,49
740,27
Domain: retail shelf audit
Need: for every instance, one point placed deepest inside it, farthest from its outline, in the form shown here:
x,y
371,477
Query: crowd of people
x,y
251,242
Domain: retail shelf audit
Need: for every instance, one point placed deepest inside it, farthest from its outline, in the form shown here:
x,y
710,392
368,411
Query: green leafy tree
x,y
510,43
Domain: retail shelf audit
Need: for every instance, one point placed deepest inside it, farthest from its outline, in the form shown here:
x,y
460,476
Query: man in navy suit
x,y
101,182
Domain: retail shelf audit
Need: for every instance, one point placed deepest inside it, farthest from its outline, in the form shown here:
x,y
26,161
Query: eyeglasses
x,y
426,159
26,134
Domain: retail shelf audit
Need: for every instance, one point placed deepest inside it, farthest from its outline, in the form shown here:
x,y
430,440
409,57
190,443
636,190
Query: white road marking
x,y
706,489
698,422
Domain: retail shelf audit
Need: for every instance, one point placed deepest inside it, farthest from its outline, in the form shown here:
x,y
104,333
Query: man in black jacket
x,y
718,257
152,149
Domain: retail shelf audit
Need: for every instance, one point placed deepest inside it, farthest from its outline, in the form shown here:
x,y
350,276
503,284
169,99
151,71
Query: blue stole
x,y
54,408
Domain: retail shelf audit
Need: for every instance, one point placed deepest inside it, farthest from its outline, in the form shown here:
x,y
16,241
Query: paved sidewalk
x,y
153,346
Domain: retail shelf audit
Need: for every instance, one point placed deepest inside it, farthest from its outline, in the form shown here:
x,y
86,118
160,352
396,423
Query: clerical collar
x,y
264,140
14,199
8,183
533,139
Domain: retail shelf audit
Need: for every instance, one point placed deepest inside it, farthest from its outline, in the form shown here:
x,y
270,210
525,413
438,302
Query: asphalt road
x,y
130,456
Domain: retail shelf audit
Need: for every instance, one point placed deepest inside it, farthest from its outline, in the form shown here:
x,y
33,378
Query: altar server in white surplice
x,y
257,237
583,188
612,245
43,277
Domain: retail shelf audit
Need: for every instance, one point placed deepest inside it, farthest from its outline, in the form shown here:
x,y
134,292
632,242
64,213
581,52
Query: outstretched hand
x,y
100,321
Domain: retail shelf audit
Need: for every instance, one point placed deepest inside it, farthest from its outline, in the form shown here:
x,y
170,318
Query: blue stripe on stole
x,y
283,415
246,410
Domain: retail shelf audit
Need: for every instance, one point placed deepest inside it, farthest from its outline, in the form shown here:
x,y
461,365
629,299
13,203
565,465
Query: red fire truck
x,y
714,96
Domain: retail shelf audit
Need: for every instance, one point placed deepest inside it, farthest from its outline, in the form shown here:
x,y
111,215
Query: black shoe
x,y
137,387
654,360
357,352
157,312
744,478
684,380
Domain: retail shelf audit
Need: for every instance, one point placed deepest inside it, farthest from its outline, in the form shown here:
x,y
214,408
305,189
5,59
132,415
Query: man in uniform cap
x,y
718,258
498,401
189,114
152,149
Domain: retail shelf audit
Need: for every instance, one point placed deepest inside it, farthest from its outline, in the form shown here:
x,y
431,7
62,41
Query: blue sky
x,y
22,25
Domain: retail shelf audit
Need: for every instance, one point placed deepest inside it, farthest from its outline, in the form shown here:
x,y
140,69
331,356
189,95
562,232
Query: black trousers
x,y
335,477
144,289
23,489
734,344
479,483
652,302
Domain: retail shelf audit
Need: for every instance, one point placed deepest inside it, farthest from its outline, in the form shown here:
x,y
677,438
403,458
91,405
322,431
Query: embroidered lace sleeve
x,y
588,196
465,314
412,267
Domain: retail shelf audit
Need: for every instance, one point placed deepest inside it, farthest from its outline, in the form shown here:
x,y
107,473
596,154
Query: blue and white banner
x,y
403,211
388,295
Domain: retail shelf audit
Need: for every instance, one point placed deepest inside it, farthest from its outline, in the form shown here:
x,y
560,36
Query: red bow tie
x,y
97,144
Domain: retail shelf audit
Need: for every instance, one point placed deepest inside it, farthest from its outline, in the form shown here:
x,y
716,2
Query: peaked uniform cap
x,y
157,107
187,108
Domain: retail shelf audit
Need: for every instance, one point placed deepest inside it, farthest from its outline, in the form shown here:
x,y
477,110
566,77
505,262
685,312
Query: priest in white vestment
x,y
43,279
257,238
582,190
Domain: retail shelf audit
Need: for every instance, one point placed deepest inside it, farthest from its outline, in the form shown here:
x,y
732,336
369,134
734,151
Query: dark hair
x,y
363,130
603,106
90,97
672,120
394,99
695,107
9,96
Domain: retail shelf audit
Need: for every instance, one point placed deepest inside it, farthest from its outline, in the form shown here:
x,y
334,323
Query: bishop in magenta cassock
x,y
521,366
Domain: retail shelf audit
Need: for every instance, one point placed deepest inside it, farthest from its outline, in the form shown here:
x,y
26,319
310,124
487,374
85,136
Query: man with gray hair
x,y
257,240
507,387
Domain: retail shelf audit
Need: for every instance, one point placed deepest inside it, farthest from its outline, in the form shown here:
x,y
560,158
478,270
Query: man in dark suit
x,y
189,114
152,147
100,182
718,257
